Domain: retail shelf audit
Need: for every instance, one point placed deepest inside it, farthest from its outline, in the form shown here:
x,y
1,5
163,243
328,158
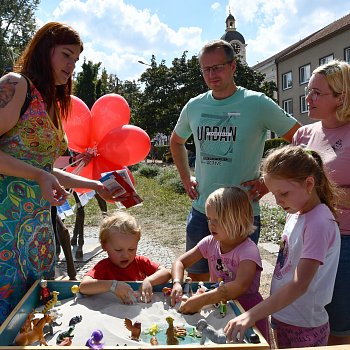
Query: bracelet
x,y
113,286
176,280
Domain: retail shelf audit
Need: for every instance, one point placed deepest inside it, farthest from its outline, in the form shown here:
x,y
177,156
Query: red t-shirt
x,y
138,270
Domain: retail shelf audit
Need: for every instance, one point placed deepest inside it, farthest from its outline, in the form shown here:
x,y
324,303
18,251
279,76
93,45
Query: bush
x,y
134,167
274,143
175,184
148,171
161,150
167,174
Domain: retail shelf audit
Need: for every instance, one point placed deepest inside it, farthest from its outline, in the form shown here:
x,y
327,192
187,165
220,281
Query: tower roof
x,y
233,35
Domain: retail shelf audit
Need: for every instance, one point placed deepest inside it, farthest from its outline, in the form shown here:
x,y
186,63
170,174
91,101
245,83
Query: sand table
x,y
105,312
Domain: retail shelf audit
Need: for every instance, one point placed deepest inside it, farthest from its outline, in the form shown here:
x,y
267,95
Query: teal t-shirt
x,y
229,136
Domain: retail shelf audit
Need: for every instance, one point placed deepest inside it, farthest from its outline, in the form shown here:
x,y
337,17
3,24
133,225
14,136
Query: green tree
x,y
167,90
87,79
17,26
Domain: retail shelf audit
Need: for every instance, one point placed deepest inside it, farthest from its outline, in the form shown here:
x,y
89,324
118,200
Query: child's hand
x,y
146,291
190,305
125,293
236,328
176,293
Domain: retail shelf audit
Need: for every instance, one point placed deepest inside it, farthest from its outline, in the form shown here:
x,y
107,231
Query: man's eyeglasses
x,y
314,94
218,68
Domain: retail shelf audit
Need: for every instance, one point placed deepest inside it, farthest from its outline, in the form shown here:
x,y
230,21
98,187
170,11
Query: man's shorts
x,y
339,308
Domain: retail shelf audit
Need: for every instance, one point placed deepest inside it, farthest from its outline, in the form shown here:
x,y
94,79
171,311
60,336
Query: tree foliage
x,y
17,26
168,89
157,99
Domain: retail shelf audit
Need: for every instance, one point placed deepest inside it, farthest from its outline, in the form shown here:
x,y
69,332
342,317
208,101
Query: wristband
x,y
113,286
176,280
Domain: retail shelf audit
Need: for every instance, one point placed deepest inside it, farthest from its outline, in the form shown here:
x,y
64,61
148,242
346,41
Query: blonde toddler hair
x,y
121,222
234,211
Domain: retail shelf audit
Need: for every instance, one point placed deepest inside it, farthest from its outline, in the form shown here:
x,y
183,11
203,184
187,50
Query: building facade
x,y
291,68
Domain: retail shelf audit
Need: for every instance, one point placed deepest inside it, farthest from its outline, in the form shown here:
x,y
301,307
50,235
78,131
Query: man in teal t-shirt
x,y
229,126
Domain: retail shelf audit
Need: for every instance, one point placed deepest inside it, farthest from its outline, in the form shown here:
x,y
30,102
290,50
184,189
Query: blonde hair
x,y
234,211
337,74
121,222
296,164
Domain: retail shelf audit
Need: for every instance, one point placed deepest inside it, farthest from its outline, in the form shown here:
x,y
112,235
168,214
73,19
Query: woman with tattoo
x,y
33,101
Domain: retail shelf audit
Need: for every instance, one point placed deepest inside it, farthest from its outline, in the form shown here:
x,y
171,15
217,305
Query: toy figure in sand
x,y
51,303
134,328
210,333
45,293
36,334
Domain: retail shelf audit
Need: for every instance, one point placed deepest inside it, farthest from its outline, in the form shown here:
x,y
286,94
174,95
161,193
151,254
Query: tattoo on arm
x,y
7,91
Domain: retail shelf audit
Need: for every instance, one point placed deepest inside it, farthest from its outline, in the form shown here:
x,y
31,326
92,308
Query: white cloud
x,y
277,24
118,34
215,6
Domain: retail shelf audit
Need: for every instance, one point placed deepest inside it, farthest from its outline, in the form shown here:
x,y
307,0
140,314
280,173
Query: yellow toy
x,y
51,303
75,289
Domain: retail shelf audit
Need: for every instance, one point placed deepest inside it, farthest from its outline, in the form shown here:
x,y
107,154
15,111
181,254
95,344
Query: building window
x,y
287,81
326,59
288,106
304,74
347,55
303,105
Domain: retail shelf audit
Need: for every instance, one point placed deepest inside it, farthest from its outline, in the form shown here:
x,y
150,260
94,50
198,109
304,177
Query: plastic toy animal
x,y
74,320
48,328
67,341
180,332
51,303
210,333
95,341
170,332
36,334
28,324
64,335
135,328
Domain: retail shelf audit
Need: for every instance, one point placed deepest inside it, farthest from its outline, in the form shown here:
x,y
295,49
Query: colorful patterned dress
x,y
27,245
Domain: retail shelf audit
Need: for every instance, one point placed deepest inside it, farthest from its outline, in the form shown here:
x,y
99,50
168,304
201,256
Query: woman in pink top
x,y
328,98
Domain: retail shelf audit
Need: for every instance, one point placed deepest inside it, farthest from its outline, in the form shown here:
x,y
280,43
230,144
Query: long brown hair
x,y
35,63
296,164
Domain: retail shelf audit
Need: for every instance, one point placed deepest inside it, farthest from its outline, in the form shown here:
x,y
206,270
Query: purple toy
x,y
94,342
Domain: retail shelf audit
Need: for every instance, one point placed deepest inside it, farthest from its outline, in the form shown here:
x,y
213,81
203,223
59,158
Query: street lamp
x,y
146,64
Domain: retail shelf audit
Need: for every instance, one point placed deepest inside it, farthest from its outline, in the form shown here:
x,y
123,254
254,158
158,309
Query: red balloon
x,y
108,112
127,145
103,165
78,126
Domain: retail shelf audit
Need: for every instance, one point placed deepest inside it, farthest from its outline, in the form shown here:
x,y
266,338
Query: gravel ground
x,y
148,247
152,249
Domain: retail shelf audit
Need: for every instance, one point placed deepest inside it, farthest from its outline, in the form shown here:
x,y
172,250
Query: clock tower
x,y
235,38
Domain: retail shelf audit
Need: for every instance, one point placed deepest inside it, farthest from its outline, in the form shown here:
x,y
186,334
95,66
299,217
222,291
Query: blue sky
x,y
119,33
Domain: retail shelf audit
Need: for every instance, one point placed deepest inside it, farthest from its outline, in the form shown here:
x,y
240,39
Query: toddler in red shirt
x,y
119,237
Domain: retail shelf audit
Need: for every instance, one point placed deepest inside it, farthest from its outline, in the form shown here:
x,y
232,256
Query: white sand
x,y
105,312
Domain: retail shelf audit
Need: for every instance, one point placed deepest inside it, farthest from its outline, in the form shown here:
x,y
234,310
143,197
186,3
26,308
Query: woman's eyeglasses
x,y
315,94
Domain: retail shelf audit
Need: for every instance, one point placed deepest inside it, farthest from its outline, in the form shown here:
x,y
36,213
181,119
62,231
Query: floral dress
x,y
27,245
